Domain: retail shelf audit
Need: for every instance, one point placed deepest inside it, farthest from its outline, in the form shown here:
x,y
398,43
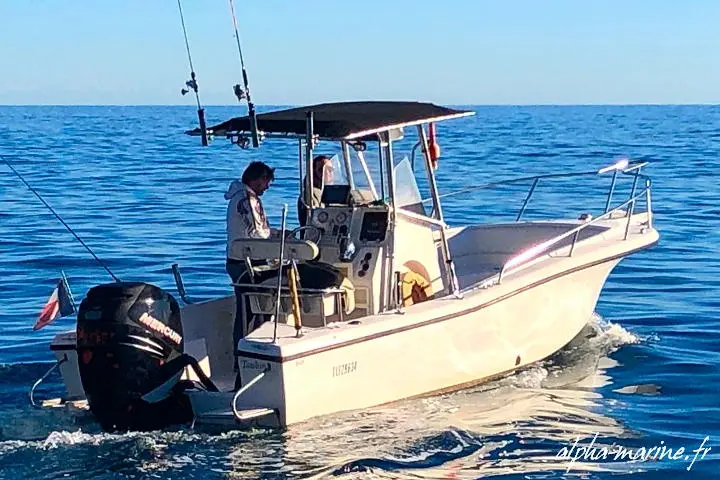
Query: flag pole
x,y
67,286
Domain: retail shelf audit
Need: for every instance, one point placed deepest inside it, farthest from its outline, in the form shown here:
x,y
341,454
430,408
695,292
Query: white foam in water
x,y
61,438
611,334
8,446
530,378
56,439
578,360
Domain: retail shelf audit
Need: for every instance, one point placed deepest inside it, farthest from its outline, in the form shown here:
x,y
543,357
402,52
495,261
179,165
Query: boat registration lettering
x,y
255,365
344,369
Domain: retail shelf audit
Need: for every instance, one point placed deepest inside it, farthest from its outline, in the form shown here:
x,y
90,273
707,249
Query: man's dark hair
x,y
257,170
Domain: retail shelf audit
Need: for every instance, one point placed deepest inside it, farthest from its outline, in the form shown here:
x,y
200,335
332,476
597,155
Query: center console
x,y
354,239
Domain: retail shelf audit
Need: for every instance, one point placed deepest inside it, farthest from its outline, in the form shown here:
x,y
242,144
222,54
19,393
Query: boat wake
x,y
515,424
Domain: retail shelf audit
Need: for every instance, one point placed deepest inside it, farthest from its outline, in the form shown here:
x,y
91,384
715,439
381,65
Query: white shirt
x,y
245,214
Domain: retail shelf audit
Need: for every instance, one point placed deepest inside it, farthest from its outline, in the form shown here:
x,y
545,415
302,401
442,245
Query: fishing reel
x,y
239,92
244,141
191,84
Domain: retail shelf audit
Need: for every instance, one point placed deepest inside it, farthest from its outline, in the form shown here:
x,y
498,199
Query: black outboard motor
x,y
130,356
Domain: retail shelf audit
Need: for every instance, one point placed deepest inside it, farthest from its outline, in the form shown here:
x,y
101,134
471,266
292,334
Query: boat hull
x,y
442,354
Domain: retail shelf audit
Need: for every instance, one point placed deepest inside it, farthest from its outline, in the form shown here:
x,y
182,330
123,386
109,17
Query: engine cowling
x,y
130,356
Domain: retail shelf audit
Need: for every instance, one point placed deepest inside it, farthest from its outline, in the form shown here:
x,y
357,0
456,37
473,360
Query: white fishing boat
x,y
379,298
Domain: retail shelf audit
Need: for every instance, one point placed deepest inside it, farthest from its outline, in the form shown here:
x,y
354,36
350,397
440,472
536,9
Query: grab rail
x,y
535,251
31,393
618,167
622,166
244,388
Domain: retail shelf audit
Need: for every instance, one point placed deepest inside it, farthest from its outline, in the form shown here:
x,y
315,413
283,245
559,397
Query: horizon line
x,y
671,104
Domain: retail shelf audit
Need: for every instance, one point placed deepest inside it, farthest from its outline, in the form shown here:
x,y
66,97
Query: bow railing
x,y
627,207
543,247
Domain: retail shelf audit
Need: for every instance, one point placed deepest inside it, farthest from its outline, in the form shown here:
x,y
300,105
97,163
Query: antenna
x,y
238,90
192,83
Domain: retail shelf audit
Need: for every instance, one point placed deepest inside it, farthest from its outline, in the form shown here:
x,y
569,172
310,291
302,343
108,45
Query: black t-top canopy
x,y
344,120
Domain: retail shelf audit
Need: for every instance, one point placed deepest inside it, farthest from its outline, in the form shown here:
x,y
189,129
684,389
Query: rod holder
x,y
179,284
203,126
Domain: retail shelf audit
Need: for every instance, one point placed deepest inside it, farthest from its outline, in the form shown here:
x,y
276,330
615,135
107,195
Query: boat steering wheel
x,y
307,227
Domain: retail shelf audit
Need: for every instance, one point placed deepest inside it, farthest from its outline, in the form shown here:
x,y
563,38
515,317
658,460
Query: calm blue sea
x,y
145,196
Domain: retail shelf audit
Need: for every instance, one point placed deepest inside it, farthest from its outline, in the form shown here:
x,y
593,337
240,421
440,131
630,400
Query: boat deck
x,y
470,275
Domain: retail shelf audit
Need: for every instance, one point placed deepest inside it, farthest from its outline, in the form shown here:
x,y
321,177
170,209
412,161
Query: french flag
x,y
60,304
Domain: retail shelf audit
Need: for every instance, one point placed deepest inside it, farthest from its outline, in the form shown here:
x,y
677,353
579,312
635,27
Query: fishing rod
x,y
239,92
61,220
192,83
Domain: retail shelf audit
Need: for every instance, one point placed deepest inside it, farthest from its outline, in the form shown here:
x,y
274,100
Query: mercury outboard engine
x,y
130,356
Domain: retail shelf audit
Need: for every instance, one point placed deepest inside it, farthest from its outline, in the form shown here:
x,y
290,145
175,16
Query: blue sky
x,y
301,51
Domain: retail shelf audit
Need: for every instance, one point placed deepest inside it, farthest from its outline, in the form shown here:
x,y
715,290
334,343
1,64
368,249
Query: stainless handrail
x,y
31,393
632,170
620,167
535,251
280,257
511,181
244,388
527,199
536,178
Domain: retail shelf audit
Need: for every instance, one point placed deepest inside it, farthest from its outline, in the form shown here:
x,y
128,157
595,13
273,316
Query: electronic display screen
x,y
374,226
336,195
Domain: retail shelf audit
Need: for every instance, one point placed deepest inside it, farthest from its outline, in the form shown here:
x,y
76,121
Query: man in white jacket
x,y
246,219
